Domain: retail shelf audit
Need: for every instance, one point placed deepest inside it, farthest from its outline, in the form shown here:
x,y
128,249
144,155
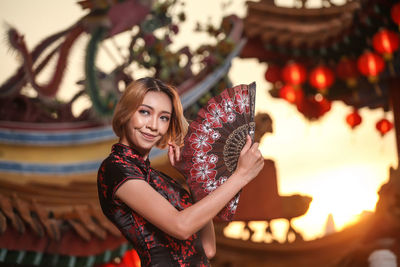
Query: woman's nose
x,y
152,123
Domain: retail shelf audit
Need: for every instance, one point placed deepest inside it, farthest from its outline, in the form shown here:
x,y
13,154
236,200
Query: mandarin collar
x,y
129,152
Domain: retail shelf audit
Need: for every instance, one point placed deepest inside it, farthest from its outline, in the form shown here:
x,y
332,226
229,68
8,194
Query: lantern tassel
x,y
356,96
378,90
391,69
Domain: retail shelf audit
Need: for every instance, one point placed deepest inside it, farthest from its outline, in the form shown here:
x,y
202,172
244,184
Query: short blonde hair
x,y
133,97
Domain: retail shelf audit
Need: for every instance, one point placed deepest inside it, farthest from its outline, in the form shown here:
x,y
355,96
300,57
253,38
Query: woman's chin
x,y
148,145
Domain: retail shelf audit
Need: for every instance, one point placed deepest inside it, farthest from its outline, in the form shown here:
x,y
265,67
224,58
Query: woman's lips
x,y
149,137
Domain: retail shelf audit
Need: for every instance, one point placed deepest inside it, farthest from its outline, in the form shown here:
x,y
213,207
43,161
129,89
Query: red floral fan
x,y
214,140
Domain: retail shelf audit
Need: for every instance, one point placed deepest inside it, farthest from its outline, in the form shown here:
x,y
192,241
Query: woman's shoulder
x,y
117,166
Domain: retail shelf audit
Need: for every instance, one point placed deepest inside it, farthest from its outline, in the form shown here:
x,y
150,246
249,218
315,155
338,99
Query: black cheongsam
x,y
154,247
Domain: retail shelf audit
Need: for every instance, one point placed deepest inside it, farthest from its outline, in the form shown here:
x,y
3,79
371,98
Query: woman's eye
x,y
165,118
144,112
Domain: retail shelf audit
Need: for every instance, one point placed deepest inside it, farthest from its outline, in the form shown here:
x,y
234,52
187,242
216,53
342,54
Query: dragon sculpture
x,y
104,20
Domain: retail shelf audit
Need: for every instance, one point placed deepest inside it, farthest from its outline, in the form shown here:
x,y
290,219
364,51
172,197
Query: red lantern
x,y
386,42
347,70
384,126
294,73
395,13
321,78
273,73
313,107
291,94
130,259
353,119
370,65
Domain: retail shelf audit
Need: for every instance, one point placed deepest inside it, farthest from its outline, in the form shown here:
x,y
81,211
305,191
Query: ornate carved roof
x,y
276,33
45,219
298,27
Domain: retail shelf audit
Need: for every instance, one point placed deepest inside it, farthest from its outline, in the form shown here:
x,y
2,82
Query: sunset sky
x,y
342,169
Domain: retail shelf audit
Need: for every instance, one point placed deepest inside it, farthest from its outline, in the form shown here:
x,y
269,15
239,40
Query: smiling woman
x,y
153,211
153,113
149,123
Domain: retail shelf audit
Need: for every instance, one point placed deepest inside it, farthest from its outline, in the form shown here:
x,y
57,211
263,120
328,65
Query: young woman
x,y
155,213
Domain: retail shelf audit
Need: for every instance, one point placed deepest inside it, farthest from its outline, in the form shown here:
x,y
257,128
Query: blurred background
x,y
340,165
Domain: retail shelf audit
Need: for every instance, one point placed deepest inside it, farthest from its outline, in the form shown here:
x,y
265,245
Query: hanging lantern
x,y
321,78
273,73
384,126
386,42
130,258
370,65
294,73
313,107
395,13
291,94
353,119
347,70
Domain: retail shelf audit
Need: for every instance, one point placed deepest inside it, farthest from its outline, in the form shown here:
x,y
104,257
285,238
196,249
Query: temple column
x,y
394,96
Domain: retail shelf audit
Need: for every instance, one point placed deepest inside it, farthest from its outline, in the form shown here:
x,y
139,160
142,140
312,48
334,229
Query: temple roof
x,y
46,219
297,27
277,33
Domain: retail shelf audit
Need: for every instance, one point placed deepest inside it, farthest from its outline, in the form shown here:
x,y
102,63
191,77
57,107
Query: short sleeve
x,y
116,174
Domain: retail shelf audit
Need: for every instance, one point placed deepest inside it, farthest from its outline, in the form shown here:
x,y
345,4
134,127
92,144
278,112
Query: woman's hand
x,y
250,161
174,153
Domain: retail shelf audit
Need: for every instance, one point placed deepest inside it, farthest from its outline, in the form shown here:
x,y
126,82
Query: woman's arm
x,y
142,198
208,239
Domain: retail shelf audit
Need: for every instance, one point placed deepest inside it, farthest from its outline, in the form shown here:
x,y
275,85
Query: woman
x,y
153,211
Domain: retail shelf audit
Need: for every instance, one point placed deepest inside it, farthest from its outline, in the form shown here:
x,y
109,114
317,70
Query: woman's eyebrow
x,y
147,106
150,107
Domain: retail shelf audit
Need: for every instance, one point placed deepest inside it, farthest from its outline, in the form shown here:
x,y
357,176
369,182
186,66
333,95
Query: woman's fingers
x,y
251,160
246,146
255,146
174,153
171,155
177,153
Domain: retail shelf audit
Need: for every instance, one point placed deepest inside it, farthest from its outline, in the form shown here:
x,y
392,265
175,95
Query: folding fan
x,y
214,140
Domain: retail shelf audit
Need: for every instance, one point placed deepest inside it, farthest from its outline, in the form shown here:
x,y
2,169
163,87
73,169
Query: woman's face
x,y
149,123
